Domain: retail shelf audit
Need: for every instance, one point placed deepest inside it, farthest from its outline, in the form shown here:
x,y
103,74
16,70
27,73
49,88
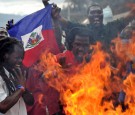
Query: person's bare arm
x,y
57,17
10,101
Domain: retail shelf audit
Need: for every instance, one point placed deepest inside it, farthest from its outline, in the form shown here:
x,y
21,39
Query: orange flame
x,y
40,97
93,90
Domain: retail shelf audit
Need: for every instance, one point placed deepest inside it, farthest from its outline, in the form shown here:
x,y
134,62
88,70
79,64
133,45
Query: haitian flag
x,y
37,34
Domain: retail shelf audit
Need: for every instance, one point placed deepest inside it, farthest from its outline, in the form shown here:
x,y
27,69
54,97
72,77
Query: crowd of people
x,y
20,85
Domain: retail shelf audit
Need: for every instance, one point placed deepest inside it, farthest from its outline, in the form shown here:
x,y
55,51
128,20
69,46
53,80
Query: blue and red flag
x,y
37,34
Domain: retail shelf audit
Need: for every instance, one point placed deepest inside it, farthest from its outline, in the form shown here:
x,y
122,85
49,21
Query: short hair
x,y
93,4
4,29
7,46
81,31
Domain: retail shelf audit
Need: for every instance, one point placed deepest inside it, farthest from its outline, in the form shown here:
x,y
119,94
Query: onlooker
x,y
13,93
3,33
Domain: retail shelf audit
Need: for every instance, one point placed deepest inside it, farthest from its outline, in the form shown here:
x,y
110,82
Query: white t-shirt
x,y
108,15
19,108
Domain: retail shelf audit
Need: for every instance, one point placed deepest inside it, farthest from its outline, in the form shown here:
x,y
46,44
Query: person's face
x,y
3,33
15,58
95,15
80,46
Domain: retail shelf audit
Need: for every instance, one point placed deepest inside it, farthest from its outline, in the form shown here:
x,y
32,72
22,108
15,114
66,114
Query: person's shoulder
x,y
110,25
74,24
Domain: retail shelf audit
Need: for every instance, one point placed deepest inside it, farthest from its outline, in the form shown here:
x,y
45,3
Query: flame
x,y
125,51
85,89
95,87
40,98
86,85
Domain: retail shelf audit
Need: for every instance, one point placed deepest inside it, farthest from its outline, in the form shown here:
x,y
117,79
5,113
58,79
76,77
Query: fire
x,y
80,91
125,50
40,97
85,91
95,88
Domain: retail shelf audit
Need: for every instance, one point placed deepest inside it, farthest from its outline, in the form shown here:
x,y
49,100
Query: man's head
x,y
12,52
79,41
3,33
95,14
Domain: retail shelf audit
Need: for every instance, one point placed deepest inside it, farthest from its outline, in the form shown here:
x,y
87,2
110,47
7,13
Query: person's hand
x,y
45,2
55,11
20,76
10,24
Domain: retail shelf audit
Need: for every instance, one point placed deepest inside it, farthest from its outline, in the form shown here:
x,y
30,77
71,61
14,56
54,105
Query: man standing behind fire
x,y
101,32
78,48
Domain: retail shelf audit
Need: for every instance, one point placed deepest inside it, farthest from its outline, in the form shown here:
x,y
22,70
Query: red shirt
x,y
46,97
69,58
70,65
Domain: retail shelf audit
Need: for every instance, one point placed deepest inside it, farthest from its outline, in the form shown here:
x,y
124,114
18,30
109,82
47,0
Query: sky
x,y
23,7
